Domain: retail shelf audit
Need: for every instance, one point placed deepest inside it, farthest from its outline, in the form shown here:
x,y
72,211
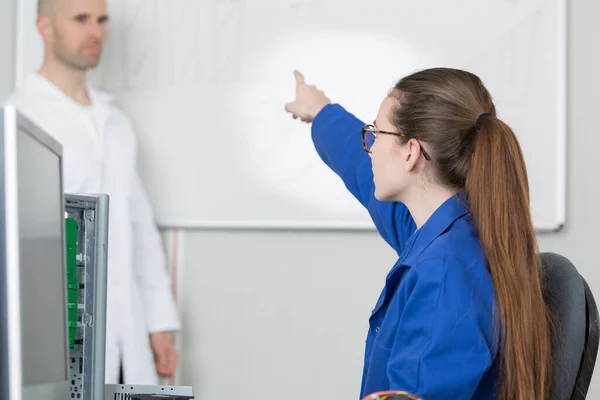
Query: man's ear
x,y
44,26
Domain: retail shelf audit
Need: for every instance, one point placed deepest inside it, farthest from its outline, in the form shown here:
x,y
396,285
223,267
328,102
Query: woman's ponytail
x,y
498,195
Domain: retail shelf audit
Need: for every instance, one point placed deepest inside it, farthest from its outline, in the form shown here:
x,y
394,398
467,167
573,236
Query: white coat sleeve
x,y
149,264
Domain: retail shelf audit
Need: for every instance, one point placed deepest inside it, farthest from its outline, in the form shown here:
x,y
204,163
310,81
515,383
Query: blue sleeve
x,y
444,342
338,139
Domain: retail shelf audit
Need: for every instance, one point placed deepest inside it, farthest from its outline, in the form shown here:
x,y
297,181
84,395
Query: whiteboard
x,y
205,84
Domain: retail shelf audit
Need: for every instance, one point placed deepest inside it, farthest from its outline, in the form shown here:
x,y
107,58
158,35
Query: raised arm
x,y
337,137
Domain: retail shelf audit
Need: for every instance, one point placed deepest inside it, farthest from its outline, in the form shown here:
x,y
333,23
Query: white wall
x,y
7,46
259,307
271,311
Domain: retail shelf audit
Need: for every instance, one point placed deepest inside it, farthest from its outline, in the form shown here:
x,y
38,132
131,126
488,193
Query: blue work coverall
x,y
433,331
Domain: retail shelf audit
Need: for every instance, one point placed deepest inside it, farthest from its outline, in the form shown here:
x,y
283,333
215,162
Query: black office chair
x,y
576,327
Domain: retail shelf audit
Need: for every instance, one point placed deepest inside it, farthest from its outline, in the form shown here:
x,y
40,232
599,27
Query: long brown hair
x,y
440,107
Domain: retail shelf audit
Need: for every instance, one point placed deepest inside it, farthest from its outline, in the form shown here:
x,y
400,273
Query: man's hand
x,y
165,355
309,100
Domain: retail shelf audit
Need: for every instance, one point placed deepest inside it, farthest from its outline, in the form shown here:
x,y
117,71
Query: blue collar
x,y
439,222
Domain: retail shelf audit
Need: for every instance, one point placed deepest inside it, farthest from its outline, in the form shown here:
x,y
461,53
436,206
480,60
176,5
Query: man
x,y
99,149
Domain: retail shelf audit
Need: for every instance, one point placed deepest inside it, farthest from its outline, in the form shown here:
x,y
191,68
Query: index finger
x,y
299,77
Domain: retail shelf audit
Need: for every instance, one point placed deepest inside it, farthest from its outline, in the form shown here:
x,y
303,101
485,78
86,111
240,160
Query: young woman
x,y
461,315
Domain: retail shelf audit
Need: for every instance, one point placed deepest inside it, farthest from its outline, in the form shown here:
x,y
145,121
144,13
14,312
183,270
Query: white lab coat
x,y
99,156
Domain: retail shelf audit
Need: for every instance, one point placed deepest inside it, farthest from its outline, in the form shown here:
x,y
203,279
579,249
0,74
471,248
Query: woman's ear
x,y
412,154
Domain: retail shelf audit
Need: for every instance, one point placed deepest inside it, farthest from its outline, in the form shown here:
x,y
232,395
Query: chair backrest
x,y
576,327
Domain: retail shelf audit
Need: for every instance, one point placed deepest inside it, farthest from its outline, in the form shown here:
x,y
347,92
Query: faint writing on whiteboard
x,y
171,43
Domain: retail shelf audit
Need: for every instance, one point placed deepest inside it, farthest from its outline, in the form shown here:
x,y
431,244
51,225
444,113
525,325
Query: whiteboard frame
x,y
561,159
562,118
561,139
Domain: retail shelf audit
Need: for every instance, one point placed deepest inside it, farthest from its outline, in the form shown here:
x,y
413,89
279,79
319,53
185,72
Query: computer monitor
x,y
33,318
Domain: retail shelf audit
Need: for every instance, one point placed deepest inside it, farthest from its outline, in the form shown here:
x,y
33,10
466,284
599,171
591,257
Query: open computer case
x,y
88,215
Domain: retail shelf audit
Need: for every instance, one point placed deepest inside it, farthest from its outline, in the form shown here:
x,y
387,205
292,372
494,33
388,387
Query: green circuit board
x,y
72,280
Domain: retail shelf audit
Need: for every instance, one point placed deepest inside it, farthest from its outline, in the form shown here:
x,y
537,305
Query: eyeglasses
x,y
369,134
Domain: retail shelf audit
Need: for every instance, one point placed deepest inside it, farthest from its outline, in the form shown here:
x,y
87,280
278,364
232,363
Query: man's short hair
x,y
47,7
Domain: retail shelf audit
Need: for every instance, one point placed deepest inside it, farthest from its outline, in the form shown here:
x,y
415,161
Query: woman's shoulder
x,y
457,251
